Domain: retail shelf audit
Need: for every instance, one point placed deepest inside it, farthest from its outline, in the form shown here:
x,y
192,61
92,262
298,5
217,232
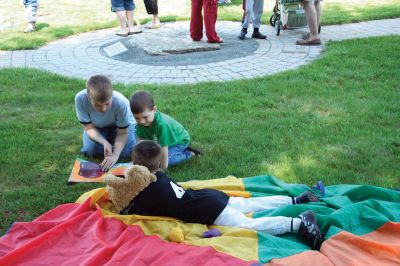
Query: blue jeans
x,y
31,7
178,154
93,149
122,5
31,3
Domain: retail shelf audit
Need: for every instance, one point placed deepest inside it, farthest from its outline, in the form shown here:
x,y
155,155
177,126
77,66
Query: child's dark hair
x,y
100,88
147,153
141,101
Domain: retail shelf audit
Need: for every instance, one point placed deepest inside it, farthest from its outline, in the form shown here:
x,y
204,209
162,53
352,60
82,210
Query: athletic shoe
x,y
305,197
258,35
243,33
196,152
310,230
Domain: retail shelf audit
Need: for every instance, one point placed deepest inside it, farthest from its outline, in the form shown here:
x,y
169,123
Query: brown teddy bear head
x,y
123,190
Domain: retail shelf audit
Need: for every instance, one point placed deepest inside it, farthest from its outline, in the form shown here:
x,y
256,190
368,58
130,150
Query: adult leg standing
x,y
152,9
196,20
210,18
31,7
312,9
247,16
258,9
253,9
124,10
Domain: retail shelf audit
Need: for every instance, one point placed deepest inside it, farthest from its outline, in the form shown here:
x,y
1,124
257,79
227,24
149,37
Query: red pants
x,y
210,18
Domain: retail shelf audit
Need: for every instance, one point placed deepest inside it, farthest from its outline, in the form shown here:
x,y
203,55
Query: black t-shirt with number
x,y
166,198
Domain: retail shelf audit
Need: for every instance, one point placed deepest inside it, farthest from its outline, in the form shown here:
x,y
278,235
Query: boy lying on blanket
x,y
160,196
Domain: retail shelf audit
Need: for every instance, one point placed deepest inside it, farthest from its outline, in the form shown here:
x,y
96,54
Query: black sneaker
x,y
258,35
310,230
243,33
196,152
305,197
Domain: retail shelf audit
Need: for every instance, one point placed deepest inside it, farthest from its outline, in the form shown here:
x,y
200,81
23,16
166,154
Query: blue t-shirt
x,y
119,114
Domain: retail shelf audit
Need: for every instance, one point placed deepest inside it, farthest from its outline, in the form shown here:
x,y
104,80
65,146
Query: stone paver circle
x,y
83,55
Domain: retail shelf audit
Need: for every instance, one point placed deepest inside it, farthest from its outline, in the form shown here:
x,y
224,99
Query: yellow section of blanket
x,y
238,242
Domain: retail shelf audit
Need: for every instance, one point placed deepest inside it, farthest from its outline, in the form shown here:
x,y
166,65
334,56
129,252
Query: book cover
x,y
86,171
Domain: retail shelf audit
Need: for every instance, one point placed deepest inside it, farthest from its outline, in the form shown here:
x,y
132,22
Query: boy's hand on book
x,y
108,162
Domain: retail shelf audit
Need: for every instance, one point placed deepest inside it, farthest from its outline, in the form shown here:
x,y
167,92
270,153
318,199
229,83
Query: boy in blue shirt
x,y
109,127
153,125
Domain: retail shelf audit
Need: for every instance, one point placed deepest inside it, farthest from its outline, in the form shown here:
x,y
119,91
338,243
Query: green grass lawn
x,y
336,119
65,17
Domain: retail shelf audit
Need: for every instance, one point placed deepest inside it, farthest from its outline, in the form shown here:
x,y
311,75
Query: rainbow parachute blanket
x,y
361,226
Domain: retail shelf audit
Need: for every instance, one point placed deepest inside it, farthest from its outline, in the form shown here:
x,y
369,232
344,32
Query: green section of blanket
x,y
357,209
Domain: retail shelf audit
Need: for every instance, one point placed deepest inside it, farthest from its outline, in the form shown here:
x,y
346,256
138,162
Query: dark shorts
x,y
122,5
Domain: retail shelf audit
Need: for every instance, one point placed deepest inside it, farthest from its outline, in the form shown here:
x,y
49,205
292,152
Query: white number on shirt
x,y
179,192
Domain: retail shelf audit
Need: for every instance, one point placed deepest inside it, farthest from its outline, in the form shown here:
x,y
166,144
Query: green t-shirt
x,y
164,130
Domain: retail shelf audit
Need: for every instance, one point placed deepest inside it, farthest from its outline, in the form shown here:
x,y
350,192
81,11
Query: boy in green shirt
x,y
161,128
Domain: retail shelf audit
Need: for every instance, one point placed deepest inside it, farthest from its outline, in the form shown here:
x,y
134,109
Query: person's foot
x,y
123,32
220,40
258,35
153,26
305,197
243,33
134,30
308,42
310,230
30,28
194,151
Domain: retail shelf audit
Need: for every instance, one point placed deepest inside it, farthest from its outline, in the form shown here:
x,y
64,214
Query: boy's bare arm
x,y
95,135
120,141
164,158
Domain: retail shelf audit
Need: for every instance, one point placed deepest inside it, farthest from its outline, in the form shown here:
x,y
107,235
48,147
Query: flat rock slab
x,y
163,44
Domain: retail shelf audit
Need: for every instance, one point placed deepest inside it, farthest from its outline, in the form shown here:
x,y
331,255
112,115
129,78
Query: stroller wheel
x,y
278,24
272,20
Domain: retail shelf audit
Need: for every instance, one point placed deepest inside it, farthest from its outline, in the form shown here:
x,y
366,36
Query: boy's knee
x,y
92,150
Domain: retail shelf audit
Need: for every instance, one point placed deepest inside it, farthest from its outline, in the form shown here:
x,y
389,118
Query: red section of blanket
x,y
75,234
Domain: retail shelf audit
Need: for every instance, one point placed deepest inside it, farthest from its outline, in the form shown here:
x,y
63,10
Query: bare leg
x,y
156,20
129,16
121,16
311,15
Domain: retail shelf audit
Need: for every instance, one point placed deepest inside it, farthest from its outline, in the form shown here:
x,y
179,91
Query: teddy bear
x,y
123,190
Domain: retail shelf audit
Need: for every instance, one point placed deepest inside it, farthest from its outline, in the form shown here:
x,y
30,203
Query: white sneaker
x,y
31,28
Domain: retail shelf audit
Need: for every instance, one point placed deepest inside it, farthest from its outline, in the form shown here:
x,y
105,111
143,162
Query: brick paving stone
x,y
80,55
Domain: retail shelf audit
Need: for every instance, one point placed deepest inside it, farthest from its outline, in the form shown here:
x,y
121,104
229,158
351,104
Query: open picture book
x,y
86,171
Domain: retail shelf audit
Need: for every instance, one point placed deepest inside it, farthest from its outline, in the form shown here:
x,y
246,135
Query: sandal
x,y
153,27
308,42
135,31
122,34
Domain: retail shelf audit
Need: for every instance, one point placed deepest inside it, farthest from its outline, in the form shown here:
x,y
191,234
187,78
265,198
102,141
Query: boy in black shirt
x,y
210,206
